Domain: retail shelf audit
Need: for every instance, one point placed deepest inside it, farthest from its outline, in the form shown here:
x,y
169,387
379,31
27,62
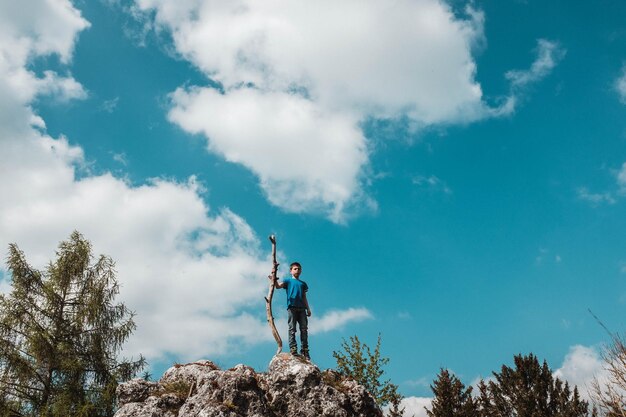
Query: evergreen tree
x,y
451,398
529,390
358,362
395,408
60,332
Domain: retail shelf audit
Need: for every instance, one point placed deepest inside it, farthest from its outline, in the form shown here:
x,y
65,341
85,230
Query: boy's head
x,y
295,268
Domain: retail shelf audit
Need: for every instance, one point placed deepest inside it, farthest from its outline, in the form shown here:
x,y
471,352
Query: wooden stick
x,y
270,294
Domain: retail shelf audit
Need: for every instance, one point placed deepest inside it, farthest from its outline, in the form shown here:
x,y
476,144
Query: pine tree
x,y
529,390
451,398
358,362
395,408
60,332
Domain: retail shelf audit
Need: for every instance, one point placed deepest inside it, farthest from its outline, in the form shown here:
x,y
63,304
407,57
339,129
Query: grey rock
x,y
135,390
292,387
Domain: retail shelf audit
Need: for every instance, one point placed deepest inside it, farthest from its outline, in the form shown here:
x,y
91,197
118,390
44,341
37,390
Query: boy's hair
x,y
295,264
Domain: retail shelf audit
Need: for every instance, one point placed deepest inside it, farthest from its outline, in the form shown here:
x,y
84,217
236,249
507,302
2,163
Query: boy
x,y
297,308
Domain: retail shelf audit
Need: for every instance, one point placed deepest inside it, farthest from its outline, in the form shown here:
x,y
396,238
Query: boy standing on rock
x,y
297,308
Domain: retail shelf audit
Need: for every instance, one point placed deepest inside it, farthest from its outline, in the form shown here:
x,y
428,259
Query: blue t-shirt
x,y
295,292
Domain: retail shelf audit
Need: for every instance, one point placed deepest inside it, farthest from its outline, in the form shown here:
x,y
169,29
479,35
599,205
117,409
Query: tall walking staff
x,y
270,294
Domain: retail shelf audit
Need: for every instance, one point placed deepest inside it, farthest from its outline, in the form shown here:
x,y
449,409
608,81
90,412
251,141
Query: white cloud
x,y
375,63
194,274
414,406
39,28
327,322
61,88
339,318
282,62
432,183
120,158
549,53
580,366
29,29
595,198
307,159
607,197
187,272
110,105
420,382
620,85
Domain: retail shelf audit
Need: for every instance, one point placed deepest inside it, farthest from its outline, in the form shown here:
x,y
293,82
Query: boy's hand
x,y
308,312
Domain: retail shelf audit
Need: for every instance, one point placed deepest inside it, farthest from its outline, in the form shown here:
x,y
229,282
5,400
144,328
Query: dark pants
x,y
298,315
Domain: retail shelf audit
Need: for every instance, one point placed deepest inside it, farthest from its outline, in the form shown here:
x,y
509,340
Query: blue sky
x,y
450,175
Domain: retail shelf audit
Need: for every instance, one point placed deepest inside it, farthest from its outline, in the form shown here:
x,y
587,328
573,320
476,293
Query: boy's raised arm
x,y
277,283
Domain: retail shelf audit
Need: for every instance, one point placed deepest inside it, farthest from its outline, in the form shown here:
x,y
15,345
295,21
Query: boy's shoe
x,y
294,351
306,355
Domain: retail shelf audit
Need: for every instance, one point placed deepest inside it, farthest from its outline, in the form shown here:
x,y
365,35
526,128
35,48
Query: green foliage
x,y
358,362
396,410
180,389
60,332
529,390
451,398
229,405
335,380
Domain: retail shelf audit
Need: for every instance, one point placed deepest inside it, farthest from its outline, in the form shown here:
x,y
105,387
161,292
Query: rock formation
x,y
292,387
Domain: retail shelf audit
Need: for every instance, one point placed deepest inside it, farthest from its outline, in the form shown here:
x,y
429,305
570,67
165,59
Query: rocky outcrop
x,y
292,387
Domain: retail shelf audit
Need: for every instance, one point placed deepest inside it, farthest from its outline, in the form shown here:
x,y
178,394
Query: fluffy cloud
x,y
412,56
61,88
581,365
39,28
305,157
337,319
194,274
327,322
31,29
414,406
295,75
620,85
31,163
298,81
188,272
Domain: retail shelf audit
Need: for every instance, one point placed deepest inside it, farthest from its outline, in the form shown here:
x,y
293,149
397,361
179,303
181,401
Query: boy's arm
x,y
277,283
306,303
